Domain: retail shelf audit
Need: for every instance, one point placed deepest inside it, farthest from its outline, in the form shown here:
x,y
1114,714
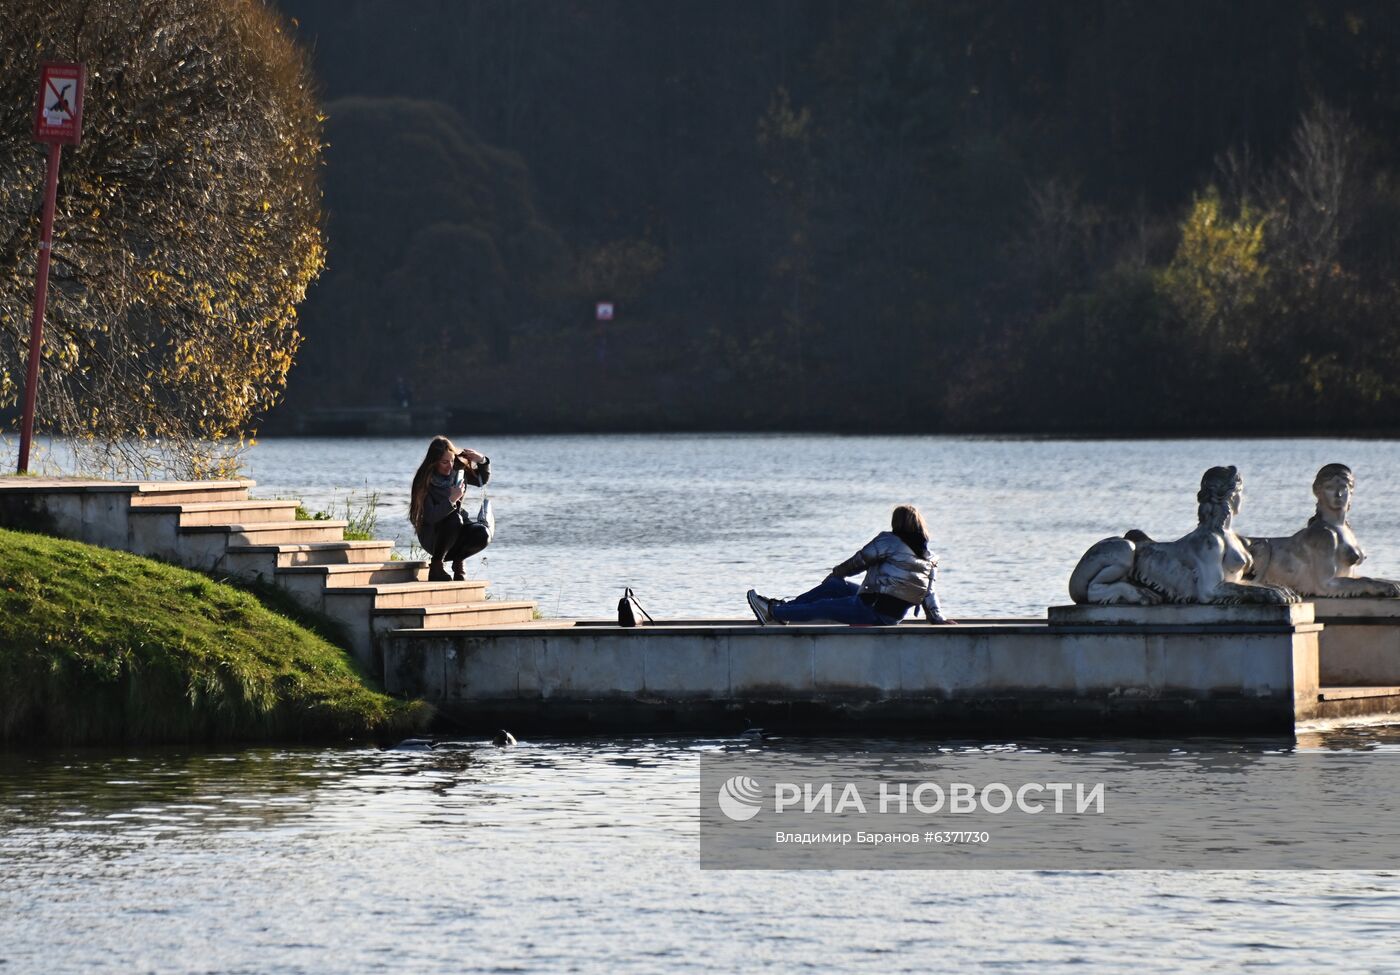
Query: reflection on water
x,y
582,854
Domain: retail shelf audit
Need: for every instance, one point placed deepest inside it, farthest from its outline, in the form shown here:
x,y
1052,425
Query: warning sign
x,y
58,114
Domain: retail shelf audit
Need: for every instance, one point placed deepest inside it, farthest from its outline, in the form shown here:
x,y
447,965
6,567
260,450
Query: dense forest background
x,y
886,215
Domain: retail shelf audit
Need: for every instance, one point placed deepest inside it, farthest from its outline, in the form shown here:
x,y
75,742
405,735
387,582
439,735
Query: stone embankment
x,y
1094,670
1165,670
216,527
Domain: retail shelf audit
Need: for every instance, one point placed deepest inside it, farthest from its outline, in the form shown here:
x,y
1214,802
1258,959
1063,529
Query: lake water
x,y
691,522
583,855
579,856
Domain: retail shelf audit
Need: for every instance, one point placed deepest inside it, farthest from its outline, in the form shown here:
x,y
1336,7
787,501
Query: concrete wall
x,y
101,513
1361,643
94,514
1025,677
1361,654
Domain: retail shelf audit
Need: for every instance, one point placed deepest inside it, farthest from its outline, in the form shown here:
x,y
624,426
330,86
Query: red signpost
x,y
58,120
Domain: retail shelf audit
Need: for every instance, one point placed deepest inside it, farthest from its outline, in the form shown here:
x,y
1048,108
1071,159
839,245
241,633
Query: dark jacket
x,y
437,505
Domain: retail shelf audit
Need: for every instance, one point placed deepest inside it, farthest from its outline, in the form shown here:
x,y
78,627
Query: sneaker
x,y
762,608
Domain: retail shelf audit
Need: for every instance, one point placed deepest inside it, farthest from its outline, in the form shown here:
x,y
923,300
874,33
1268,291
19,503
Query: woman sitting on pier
x,y
899,574
435,507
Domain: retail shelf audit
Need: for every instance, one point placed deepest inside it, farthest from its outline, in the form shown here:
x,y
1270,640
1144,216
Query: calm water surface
x,y
578,856
691,522
582,855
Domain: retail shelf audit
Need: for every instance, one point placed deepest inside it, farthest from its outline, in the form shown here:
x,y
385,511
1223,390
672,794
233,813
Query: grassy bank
x,y
98,646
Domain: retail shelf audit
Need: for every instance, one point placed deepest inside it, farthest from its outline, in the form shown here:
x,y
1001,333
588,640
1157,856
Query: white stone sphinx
x,y
1321,559
1209,565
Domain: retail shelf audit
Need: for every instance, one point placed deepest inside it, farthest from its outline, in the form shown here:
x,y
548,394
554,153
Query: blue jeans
x,y
834,601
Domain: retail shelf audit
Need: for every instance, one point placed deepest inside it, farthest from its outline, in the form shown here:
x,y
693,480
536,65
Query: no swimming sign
x,y
58,113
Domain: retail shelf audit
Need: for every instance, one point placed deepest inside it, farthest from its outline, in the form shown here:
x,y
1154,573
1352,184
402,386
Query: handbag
x,y
625,616
486,518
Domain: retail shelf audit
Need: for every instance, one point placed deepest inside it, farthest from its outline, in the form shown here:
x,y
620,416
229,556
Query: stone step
x,y
356,606
1355,693
437,627
317,553
194,492
389,595
193,514
312,584
274,532
487,612
359,573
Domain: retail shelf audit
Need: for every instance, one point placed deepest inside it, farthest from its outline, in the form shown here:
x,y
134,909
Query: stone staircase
x,y
215,527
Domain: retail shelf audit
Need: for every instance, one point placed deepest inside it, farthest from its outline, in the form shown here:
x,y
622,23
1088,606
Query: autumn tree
x,y
187,230
1218,273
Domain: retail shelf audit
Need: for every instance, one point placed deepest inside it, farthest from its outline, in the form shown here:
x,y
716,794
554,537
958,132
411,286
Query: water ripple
x,y
579,855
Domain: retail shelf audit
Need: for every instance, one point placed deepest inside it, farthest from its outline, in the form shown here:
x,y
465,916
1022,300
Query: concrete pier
x,y
1170,669
1360,645
1094,670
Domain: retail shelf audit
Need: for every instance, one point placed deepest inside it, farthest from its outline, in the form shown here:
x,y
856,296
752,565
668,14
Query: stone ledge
x,y
79,485
1356,693
1185,614
54,485
1341,609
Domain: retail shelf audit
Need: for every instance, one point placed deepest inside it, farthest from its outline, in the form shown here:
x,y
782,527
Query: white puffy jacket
x,y
892,568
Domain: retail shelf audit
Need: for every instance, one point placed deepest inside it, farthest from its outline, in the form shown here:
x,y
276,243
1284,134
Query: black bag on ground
x,y
625,615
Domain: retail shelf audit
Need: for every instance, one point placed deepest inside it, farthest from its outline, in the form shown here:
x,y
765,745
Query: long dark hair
x,y
419,492
908,524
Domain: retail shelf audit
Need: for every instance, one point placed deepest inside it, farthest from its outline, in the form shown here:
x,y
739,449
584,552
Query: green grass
x,y
103,647
360,514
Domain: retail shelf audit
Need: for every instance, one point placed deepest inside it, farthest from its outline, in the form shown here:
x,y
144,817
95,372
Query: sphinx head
x,y
1219,496
1333,487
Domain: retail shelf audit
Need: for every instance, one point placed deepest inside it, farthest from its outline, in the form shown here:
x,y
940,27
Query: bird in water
x,y
503,739
415,745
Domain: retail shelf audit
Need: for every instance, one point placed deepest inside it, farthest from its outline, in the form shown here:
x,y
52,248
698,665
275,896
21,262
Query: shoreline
x,y
281,430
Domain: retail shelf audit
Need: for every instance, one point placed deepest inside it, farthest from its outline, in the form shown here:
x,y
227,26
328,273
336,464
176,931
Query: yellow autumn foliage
x,y
1218,272
188,226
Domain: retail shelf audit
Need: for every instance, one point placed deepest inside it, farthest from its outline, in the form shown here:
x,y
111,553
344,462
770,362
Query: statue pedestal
x,y
1360,644
1184,614
1225,656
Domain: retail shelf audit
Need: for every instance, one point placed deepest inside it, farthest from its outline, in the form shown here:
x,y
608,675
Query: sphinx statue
x,y
1320,559
1209,565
